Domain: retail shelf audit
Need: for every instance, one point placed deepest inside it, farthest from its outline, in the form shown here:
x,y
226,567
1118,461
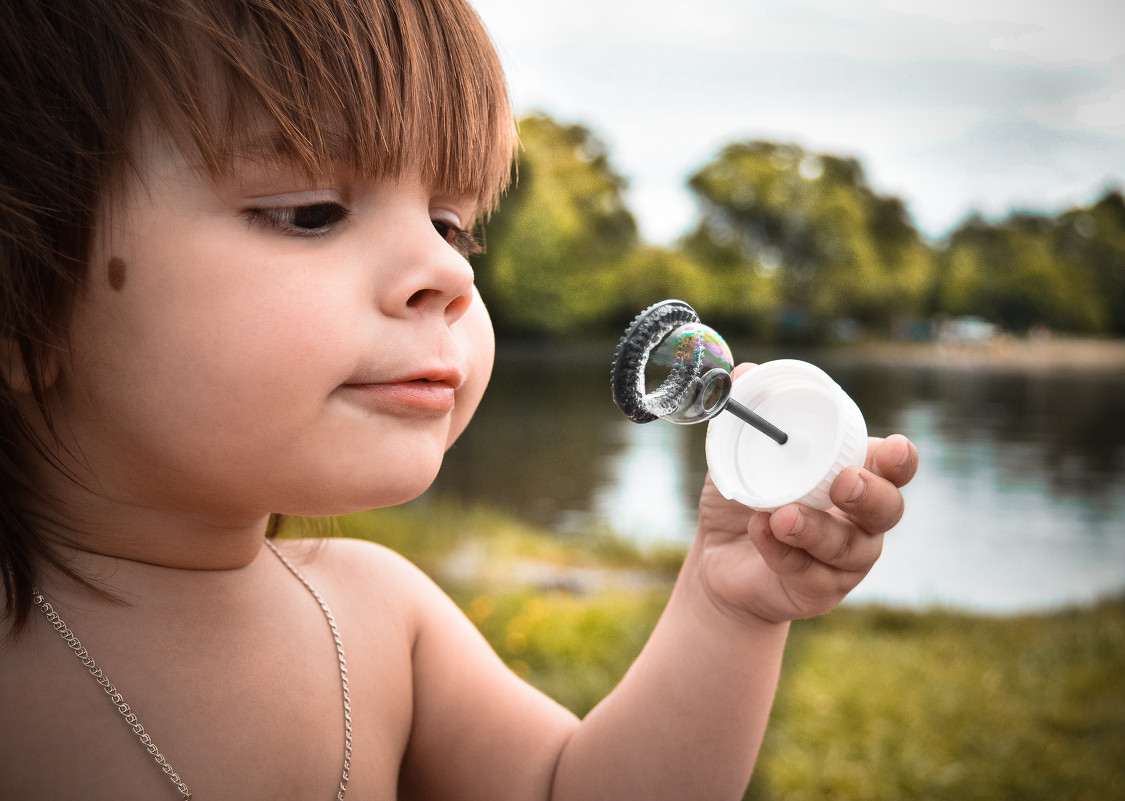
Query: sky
x,y
956,106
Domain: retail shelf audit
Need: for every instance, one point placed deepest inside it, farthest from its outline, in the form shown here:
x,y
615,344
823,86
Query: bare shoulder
x,y
345,557
365,573
467,726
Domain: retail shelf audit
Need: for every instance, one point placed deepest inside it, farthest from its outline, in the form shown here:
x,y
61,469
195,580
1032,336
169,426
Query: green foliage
x,y
651,274
1033,269
834,250
788,242
810,226
1093,240
554,247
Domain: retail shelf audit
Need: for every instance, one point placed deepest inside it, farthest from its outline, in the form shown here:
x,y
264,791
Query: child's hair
x,y
390,85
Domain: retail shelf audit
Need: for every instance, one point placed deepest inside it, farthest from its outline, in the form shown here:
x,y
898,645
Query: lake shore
x,y
1048,353
1022,353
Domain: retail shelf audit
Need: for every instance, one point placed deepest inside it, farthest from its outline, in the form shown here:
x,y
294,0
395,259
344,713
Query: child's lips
x,y
433,393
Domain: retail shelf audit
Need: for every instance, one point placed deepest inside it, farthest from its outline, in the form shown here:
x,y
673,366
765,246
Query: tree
x,y
555,245
1095,237
1064,271
810,225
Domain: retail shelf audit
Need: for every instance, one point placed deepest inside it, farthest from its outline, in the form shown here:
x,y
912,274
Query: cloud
x,y
963,104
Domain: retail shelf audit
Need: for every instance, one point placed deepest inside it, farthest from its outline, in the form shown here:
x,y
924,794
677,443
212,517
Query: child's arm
x,y
687,720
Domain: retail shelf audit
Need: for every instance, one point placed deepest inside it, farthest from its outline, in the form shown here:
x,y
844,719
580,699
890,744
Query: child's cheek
x,y
475,335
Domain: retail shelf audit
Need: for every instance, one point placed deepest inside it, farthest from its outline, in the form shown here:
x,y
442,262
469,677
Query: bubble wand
x,y
698,385
815,428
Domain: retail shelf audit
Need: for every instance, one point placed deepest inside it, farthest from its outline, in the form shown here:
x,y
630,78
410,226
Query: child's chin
x,y
401,497
405,489
361,498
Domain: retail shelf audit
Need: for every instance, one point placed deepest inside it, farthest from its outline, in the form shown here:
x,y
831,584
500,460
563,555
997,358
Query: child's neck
x,y
219,565
163,541
102,524
201,550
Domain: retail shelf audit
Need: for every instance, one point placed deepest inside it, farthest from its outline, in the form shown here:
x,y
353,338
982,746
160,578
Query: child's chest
x,y
237,710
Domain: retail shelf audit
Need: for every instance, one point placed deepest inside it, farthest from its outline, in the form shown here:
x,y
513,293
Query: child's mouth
x,y
404,397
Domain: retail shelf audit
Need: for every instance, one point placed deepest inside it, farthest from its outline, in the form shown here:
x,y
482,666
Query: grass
x,y
574,649
428,533
874,703
880,704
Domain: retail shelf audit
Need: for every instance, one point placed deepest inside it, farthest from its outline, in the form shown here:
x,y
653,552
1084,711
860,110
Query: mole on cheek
x,y
115,271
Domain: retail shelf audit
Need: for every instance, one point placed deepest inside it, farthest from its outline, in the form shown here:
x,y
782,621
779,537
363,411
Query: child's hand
x,y
800,562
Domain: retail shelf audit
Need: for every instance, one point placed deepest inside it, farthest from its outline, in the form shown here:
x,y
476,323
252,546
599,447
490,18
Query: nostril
x,y
458,306
435,300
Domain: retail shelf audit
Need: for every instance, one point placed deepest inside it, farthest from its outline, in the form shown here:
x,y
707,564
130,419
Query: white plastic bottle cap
x,y
826,434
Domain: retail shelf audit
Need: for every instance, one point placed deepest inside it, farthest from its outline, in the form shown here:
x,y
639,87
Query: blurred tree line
x,y
788,245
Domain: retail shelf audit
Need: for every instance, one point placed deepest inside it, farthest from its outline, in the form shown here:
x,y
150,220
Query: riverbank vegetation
x,y
874,703
789,245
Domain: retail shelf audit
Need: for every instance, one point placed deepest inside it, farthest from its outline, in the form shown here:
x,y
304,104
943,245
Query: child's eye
x,y
461,240
312,219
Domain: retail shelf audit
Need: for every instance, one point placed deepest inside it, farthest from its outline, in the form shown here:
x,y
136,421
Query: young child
x,y
235,285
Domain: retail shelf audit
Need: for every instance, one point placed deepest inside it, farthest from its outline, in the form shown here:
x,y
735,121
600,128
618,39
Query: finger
x,y
874,503
726,519
829,539
782,558
894,458
740,369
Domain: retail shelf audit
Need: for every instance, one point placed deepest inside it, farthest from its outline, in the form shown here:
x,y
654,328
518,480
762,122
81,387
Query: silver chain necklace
x,y
131,718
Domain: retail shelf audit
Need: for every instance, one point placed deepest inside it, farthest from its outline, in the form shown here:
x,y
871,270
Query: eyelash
x,y
284,219
458,238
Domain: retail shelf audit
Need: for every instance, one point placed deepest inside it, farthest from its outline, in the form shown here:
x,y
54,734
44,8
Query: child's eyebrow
x,y
333,149
275,146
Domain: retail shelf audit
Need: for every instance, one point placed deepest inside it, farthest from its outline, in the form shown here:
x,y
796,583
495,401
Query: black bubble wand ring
x,y
698,384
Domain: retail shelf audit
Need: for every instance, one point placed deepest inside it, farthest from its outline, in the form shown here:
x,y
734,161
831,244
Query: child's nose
x,y
436,280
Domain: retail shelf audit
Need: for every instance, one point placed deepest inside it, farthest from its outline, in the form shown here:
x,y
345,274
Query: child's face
x,y
273,343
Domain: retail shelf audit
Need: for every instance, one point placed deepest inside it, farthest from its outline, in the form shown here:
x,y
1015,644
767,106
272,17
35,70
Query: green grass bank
x,y
875,704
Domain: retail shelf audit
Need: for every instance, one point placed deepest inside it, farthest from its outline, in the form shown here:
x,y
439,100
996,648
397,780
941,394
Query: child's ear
x,y
14,371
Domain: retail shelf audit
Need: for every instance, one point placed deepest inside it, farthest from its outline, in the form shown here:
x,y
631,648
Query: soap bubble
x,y
704,354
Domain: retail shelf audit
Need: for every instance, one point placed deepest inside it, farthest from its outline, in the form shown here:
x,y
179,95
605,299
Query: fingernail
x,y
905,454
858,489
798,525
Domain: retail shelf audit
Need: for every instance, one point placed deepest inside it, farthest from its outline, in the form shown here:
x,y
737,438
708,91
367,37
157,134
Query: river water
x,y
1019,503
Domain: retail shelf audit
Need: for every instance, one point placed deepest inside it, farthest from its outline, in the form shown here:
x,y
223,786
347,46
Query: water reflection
x,y
988,527
1020,501
645,486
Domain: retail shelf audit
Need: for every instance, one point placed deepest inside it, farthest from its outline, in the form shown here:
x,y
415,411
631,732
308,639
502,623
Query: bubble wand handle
x,y
756,421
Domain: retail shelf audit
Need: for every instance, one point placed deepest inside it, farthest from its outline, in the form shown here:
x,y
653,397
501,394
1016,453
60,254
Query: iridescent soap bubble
x,y
695,346
669,366
702,353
